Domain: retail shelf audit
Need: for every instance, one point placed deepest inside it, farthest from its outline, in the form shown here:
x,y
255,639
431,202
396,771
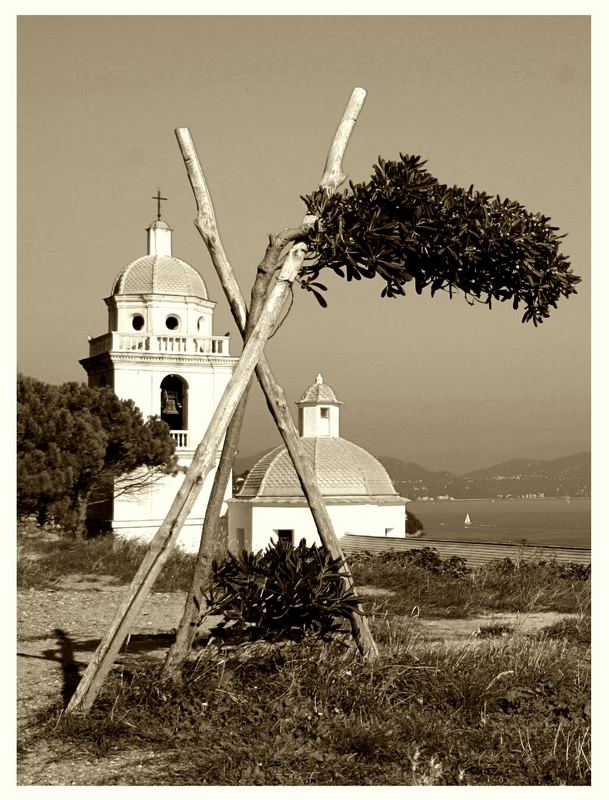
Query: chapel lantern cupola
x,y
319,411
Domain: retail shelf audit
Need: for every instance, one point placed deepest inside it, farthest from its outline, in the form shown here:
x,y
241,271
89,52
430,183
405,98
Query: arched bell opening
x,y
174,402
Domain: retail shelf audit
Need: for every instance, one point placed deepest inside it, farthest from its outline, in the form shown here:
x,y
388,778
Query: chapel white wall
x,y
362,519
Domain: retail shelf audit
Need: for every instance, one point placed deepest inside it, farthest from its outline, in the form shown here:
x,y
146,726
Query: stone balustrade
x,y
159,343
181,438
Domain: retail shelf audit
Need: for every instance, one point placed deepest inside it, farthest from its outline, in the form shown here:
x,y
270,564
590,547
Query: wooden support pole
x,y
195,601
207,227
202,462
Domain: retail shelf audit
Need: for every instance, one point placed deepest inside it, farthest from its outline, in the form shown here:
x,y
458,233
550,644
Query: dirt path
x,y
66,623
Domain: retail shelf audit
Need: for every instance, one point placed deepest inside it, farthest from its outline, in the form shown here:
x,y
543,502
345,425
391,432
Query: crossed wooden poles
x,y
275,276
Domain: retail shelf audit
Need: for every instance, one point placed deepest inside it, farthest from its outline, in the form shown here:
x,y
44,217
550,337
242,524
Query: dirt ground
x,y
66,624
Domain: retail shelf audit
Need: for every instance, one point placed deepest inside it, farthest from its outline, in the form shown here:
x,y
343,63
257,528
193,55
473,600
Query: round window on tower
x,y
137,322
172,322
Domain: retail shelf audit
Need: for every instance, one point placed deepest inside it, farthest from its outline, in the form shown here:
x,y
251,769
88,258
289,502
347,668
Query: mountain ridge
x,y
518,477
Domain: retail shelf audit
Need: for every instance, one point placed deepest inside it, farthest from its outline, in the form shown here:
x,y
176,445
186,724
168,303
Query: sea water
x,y
543,521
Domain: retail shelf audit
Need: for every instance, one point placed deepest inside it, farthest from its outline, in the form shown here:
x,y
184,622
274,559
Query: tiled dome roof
x,y
341,469
319,392
159,275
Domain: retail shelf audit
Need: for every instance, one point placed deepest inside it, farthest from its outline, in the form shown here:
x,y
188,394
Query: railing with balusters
x,y
181,438
154,343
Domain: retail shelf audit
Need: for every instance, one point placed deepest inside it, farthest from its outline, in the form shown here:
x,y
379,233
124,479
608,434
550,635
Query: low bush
x,y
447,587
283,592
577,630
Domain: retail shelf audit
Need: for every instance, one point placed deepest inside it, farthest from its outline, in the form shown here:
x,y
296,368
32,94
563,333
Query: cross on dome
x,y
158,199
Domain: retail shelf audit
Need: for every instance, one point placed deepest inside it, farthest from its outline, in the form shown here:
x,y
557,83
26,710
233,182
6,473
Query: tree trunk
x,y
79,515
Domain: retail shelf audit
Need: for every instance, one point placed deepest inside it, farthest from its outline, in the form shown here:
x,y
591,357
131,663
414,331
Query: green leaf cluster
x,y
403,225
283,592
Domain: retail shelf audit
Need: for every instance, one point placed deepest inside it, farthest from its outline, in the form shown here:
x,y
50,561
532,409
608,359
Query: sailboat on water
x,y
467,520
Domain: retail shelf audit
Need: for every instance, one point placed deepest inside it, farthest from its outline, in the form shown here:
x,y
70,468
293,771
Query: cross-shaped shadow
x,y
65,650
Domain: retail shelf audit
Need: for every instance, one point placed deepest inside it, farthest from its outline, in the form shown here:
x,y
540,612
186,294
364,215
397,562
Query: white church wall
x,y
267,520
155,309
137,383
239,526
139,516
363,519
142,384
370,520
320,420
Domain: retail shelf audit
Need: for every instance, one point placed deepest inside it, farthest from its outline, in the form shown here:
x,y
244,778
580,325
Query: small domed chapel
x,y
160,351
357,491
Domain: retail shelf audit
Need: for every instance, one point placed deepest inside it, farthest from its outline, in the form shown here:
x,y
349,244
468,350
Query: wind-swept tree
x,y
72,440
404,225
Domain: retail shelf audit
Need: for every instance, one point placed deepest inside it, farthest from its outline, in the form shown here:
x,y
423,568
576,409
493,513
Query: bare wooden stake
x,y
195,601
207,226
202,462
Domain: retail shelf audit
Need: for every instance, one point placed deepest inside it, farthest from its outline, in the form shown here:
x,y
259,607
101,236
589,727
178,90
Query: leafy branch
x,y
403,225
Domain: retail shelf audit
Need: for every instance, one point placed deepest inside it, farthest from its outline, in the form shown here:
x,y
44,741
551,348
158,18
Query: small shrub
x,y
413,524
494,629
576,630
282,592
426,558
446,587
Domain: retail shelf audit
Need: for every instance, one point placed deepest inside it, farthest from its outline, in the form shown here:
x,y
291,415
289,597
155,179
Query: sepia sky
x,y
499,102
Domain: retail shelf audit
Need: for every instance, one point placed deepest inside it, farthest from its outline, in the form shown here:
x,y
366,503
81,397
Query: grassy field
x,y
503,708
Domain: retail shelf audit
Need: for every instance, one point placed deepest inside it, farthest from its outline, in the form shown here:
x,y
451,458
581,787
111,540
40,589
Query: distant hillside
x,y
568,475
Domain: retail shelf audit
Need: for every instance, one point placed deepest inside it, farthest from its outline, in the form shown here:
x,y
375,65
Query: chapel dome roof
x,y
341,468
154,274
319,392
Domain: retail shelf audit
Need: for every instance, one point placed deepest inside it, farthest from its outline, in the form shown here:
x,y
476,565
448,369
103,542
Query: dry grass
x,y
511,710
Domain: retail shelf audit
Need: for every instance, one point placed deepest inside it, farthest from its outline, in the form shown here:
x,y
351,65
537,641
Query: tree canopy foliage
x,y
404,225
72,439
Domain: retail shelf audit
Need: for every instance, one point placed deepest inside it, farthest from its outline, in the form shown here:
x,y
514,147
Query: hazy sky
x,y
500,102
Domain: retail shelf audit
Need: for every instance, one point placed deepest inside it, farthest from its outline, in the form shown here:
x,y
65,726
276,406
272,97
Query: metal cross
x,y
158,199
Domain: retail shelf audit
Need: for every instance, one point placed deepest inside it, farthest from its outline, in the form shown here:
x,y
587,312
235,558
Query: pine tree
x,y
72,440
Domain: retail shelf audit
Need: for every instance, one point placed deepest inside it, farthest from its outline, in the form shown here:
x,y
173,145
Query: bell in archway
x,y
169,403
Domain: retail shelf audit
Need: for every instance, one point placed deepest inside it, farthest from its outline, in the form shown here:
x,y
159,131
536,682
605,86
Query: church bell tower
x,y
160,352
